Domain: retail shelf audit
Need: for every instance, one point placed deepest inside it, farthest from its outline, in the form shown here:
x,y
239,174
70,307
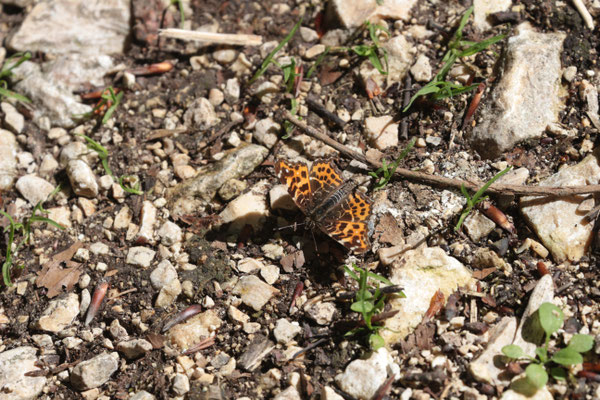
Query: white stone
x,y
285,331
8,159
308,35
362,378
569,73
199,327
314,51
279,198
421,69
168,294
148,217
60,215
99,248
561,229
527,98
290,393
14,364
94,372
266,132
225,56
236,315
82,178
478,226
181,384
200,115
352,14
134,348
13,120
87,206
541,394
421,272
59,314
34,189
163,274
123,218
142,395
485,367
400,57
170,233
381,132
483,8
216,97
330,394
232,90
249,265
51,27
270,273
140,256
254,292
322,313
249,208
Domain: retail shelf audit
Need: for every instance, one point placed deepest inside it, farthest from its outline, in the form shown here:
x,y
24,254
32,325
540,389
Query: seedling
x,y
388,170
6,72
372,51
370,301
108,99
25,228
103,156
179,3
551,319
477,198
269,59
439,88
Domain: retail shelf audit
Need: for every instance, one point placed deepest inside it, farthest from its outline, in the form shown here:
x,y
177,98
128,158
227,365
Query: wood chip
x,y
210,37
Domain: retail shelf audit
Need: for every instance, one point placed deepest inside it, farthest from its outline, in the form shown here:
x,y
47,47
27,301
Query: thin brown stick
x,y
440,181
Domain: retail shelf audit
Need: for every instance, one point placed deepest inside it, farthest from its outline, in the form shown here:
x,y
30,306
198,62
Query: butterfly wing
x,y
295,176
348,222
325,177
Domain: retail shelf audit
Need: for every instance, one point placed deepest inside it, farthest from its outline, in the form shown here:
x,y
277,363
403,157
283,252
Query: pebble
x,y
168,294
270,273
60,215
382,132
421,69
232,188
484,368
322,313
59,314
82,178
266,132
163,274
265,91
99,248
569,73
192,331
280,199
181,384
362,378
250,208
256,351
117,331
142,395
291,393
94,372
478,226
529,53
272,251
123,218
14,364
236,315
232,90
134,348
254,292
216,97
285,331
308,35
200,115
13,120
314,51
148,218
140,256
8,159
224,56
87,206
34,189
249,265
170,233
482,10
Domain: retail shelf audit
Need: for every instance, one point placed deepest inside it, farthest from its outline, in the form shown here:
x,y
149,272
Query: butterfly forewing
x,y
295,177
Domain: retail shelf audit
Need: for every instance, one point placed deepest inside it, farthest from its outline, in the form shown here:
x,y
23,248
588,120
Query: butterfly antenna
x,y
315,242
294,225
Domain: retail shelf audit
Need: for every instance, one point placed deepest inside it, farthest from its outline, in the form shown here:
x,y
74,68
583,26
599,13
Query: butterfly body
x,y
329,203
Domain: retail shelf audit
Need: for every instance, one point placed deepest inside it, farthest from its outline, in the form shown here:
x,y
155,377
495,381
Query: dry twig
x,y
441,181
212,38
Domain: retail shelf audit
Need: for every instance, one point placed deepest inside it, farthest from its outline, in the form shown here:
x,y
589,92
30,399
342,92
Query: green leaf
x,y
431,87
362,50
376,341
47,220
362,307
537,375
489,183
542,354
581,343
265,64
376,63
116,101
551,318
567,357
512,351
317,62
558,373
477,47
9,93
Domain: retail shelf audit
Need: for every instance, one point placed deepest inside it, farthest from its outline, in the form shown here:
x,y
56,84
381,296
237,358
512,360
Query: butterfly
x,y
328,202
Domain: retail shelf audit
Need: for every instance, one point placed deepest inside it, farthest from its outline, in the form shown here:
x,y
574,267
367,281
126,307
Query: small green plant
x,y
108,99
317,62
372,51
11,63
458,48
270,57
179,3
551,319
370,301
478,197
388,170
25,228
103,156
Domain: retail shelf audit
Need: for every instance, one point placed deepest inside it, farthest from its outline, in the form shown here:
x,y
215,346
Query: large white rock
x,y
34,188
527,97
94,372
558,224
250,208
254,292
382,132
362,378
192,331
74,26
421,272
352,14
14,384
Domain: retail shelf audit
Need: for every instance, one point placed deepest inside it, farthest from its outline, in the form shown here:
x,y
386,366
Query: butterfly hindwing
x,y
353,235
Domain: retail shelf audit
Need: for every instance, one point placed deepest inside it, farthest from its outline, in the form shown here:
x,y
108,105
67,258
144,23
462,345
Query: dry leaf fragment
x,y
53,277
